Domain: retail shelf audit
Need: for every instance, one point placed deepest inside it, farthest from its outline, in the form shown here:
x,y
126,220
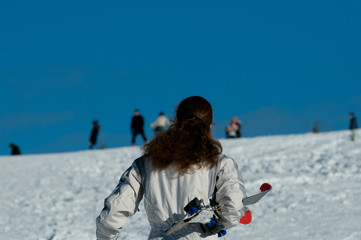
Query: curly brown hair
x,y
188,143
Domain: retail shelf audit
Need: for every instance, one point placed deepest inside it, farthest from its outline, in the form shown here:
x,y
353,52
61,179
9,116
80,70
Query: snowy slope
x,y
315,179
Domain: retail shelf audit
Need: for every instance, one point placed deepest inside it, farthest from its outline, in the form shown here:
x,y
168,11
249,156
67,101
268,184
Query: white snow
x,y
315,177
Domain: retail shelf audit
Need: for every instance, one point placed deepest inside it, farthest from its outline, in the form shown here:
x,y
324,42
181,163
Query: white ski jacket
x,y
165,195
162,121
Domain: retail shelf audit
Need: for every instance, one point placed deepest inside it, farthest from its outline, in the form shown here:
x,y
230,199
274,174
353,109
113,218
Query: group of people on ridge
x,y
233,129
136,126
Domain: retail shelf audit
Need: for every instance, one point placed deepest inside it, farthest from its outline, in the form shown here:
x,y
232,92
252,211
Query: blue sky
x,y
277,65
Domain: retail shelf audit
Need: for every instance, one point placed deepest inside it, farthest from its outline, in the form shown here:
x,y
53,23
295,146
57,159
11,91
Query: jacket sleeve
x,y
230,192
122,203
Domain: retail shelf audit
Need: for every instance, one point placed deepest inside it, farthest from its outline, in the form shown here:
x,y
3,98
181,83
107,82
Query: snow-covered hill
x,y
315,177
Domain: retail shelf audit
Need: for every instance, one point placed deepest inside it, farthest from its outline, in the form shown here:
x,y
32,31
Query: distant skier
x,y
233,130
137,126
179,164
160,123
94,134
14,149
353,126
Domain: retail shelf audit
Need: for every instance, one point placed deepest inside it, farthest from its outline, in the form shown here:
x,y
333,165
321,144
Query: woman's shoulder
x,y
223,158
225,161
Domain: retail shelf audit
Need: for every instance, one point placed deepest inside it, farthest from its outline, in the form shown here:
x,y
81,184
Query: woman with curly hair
x,y
179,164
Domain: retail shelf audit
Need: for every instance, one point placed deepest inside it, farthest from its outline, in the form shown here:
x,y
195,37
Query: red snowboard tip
x,y
247,217
265,187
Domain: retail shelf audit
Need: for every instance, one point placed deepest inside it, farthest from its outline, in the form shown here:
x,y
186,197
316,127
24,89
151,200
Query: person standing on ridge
x,y
160,123
233,130
94,134
137,126
353,126
179,164
14,149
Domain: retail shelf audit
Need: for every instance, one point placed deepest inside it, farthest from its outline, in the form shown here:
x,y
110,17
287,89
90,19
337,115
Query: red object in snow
x,y
265,187
247,217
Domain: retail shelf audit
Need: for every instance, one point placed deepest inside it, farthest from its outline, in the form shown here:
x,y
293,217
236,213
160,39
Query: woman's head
x,y
187,143
196,108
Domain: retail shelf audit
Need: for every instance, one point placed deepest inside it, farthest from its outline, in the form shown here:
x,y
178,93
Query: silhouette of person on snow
x,y
137,126
14,149
94,134
353,126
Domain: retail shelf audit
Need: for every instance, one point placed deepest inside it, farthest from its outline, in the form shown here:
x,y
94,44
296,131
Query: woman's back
x,y
180,164
166,193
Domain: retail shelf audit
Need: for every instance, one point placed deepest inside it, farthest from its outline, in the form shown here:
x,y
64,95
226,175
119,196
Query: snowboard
x,y
264,189
209,214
